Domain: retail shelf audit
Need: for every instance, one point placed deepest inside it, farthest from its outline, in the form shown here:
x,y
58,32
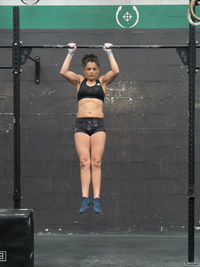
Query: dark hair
x,y
90,58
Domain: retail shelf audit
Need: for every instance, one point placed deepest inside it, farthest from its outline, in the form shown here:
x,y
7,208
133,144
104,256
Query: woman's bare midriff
x,y
90,108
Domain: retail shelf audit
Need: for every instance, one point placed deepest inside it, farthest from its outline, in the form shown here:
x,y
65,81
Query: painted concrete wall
x,y
144,184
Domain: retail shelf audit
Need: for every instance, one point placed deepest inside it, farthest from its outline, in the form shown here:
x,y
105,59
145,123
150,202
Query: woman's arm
x,y
110,75
65,72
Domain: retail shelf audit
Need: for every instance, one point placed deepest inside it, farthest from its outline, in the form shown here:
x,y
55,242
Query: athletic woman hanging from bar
x,y
90,134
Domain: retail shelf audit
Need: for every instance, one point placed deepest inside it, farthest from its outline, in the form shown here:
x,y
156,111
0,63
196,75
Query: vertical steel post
x,y
191,143
16,107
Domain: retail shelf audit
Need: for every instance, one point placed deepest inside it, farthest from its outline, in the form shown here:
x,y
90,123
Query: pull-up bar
x,y
101,46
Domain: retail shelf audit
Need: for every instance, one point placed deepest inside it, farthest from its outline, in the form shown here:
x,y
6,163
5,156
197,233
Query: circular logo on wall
x,y
127,17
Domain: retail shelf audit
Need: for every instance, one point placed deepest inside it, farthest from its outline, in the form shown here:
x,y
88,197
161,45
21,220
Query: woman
x,y
90,134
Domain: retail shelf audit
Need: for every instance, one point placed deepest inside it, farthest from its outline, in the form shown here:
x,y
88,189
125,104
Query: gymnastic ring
x,y
192,4
190,20
24,2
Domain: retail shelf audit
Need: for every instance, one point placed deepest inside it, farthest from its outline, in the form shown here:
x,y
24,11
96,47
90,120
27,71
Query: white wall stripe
x,y
97,2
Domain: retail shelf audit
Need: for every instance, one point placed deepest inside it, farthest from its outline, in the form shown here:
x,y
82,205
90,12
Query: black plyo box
x,y
16,238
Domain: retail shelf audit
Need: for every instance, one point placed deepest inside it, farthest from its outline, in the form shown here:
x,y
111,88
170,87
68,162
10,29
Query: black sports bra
x,y
94,91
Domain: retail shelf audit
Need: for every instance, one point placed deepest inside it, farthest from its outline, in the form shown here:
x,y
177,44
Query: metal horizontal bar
x,y
101,46
113,47
5,46
5,67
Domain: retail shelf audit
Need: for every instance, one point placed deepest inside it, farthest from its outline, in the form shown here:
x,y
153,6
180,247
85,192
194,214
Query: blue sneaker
x,y
96,205
85,204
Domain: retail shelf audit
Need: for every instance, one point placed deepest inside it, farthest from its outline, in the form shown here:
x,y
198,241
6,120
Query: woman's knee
x,y
85,163
96,163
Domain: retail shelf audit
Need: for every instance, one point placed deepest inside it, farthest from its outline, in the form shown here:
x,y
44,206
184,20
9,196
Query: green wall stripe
x,y
95,17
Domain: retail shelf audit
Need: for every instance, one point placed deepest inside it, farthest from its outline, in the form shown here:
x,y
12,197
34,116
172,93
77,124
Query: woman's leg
x,y
82,142
97,149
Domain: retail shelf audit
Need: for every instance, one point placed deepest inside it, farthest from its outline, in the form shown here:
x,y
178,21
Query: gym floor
x,y
69,250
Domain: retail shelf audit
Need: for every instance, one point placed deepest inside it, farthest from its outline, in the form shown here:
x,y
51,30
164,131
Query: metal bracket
x,y
183,54
25,55
36,60
37,70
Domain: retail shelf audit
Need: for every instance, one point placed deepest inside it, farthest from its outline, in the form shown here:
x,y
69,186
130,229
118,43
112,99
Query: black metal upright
x,y
191,143
16,107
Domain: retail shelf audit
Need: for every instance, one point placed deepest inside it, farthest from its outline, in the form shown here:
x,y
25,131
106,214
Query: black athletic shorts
x,y
89,126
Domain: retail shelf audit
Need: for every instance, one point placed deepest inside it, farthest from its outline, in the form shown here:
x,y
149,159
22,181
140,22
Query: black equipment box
x,y
16,238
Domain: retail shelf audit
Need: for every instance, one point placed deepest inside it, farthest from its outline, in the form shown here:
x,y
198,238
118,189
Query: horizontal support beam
x,y
101,46
1,67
